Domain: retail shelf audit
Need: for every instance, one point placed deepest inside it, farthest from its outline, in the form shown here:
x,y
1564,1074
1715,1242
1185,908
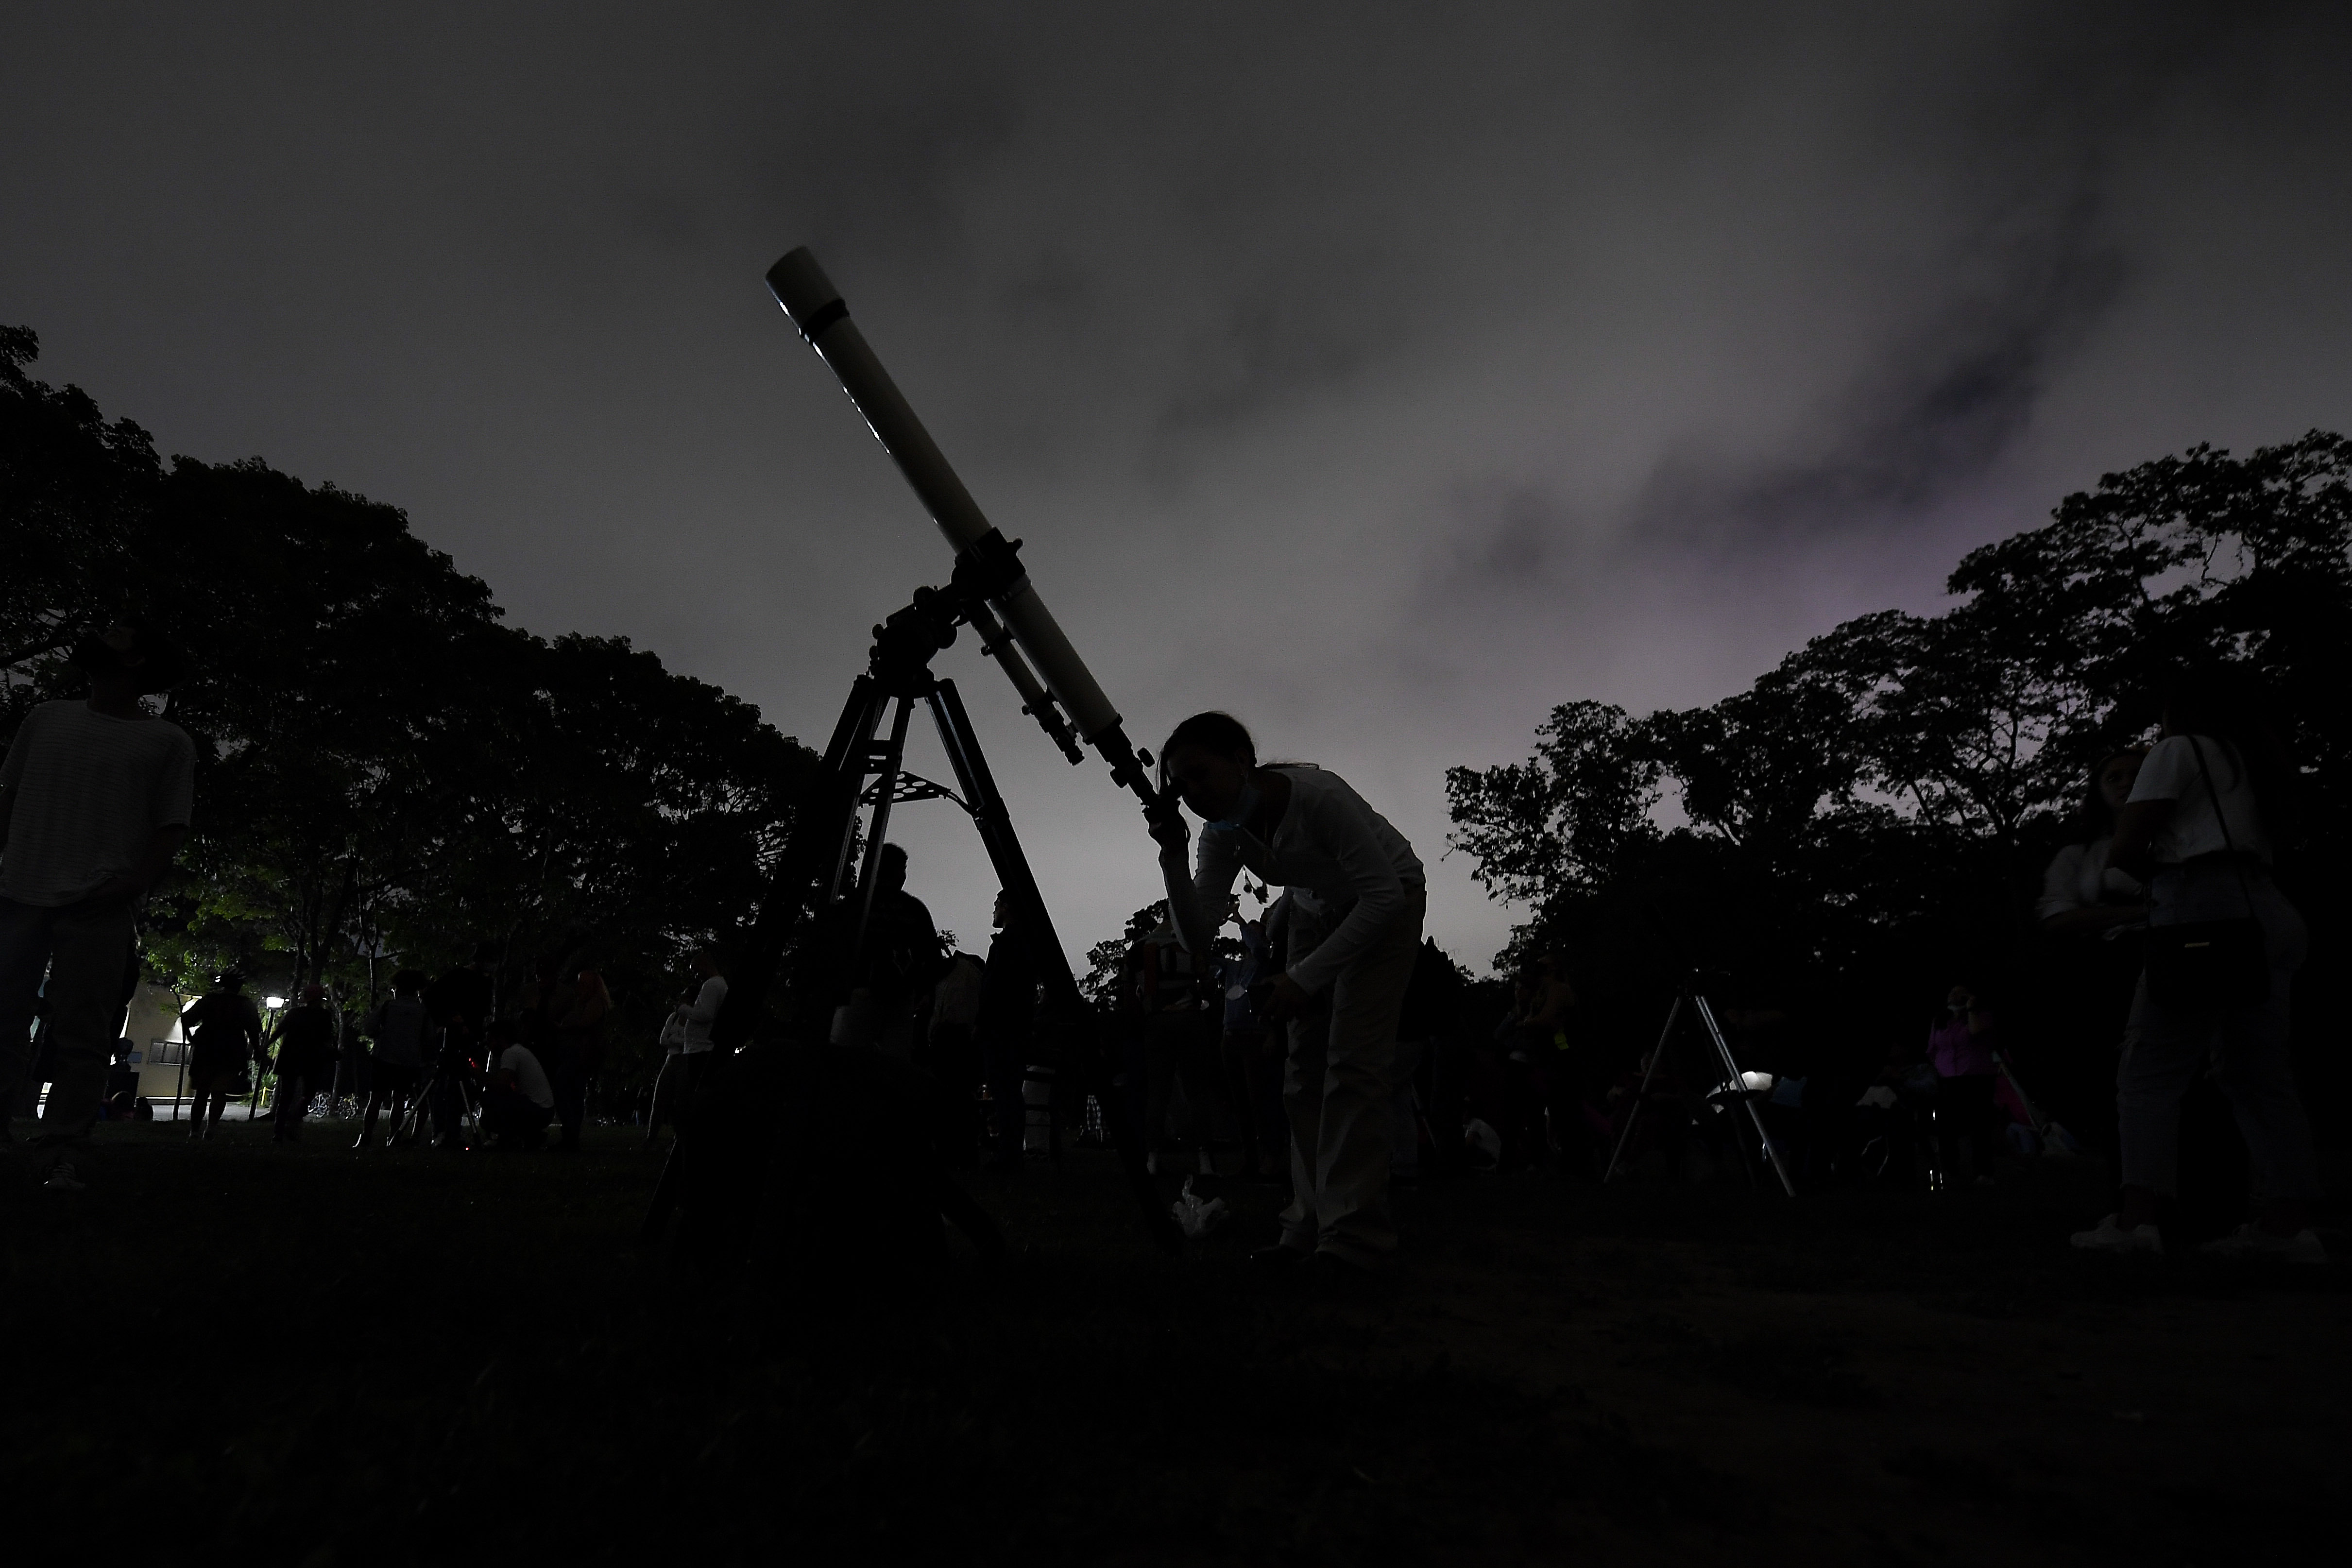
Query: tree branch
x,y
35,651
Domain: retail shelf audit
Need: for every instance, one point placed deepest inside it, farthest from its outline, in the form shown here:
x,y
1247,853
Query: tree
x,y
387,771
73,504
1868,816
1107,973
1558,822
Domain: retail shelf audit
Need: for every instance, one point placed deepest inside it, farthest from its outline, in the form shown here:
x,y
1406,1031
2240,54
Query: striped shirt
x,y
90,790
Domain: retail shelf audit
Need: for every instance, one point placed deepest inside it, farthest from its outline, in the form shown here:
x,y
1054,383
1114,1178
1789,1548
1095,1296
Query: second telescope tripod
x,y
1732,1087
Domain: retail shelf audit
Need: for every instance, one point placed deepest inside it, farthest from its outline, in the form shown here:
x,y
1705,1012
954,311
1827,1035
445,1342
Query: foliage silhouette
x,y
1867,822
388,774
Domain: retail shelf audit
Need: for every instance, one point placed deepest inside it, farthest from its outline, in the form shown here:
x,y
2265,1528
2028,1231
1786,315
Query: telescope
x,y
818,311
813,911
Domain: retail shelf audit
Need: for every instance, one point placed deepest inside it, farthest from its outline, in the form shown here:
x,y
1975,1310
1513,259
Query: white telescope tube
x,y
816,308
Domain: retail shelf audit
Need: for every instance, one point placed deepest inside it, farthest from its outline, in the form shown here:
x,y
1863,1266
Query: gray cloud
x,y
1384,373
1936,410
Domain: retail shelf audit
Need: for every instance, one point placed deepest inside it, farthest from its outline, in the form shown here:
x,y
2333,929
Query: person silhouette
x,y
1343,990
224,1032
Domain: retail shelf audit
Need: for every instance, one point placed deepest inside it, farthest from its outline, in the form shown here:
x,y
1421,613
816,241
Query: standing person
x,y
1252,1058
952,1052
1555,1034
94,804
577,1037
458,1003
898,965
669,1081
1304,829
2207,816
1959,1048
1537,1102
544,995
351,1067
224,1032
306,1060
697,1049
1007,1016
2090,912
1175,1040
1431,1002
955,1003
397,1029
1510,1106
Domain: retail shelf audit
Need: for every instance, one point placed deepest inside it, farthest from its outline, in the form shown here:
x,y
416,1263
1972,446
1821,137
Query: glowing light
x,y
273,1003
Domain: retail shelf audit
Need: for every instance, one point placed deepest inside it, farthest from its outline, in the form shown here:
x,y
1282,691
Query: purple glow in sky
x,y
1384,374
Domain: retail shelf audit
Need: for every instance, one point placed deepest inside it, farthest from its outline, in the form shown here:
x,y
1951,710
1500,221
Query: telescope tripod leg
x,y
1733,1080
2034,1116
1634,1110
823,826
1033,924
886,765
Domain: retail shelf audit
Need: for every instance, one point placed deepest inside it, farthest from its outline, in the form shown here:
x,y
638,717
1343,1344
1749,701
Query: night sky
x,y
1383,374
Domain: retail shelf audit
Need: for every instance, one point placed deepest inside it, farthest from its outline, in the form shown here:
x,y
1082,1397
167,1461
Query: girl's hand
x,y
1169,828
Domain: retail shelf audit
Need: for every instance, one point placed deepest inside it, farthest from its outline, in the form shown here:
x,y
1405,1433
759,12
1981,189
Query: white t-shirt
x,y
2171,773
90,791
1328,842
702,1014
530,1076
2079,877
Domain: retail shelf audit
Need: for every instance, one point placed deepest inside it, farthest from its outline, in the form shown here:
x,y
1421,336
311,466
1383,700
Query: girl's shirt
x,y
1328,842
2079,877
2194,829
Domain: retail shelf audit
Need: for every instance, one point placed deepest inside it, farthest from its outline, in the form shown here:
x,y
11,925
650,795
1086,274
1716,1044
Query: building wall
x,y
158,1047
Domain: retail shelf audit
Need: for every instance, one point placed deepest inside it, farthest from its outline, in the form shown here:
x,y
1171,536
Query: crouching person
x,y
518,1101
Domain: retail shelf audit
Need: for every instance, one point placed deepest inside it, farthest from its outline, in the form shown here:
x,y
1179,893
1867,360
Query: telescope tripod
x,y
410,1123
1733,1085
864,762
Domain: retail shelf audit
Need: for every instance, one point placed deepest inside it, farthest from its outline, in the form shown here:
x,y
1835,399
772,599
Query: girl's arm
x,y
1193,898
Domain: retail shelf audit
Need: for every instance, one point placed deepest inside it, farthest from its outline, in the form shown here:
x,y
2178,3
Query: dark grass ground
x,y
243,1352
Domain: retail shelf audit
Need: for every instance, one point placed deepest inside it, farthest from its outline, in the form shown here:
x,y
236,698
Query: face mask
x,y
1242,807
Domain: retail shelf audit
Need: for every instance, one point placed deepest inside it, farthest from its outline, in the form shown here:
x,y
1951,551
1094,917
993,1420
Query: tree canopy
x,y
1872,815
388,773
